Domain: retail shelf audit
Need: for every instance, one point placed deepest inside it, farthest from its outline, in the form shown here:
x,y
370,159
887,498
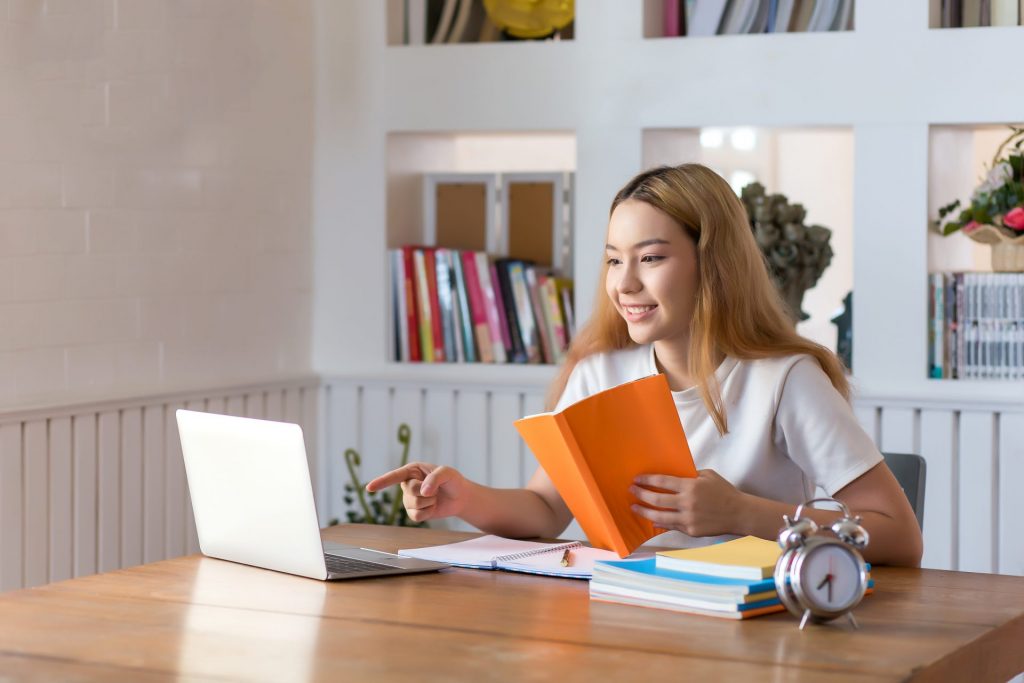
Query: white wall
x,y
154,195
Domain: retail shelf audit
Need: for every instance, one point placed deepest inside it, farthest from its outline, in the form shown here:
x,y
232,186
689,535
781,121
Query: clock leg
x,y
805,619
853,620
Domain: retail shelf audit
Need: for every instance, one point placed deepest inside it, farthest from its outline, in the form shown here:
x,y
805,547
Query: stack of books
x,y
459,306
731,580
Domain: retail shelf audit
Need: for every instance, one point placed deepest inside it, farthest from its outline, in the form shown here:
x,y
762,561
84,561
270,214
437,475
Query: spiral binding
x,y
539,551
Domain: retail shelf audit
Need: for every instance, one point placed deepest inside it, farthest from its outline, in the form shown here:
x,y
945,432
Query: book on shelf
x,y
451,305
593,450
976,326
570,560
748,558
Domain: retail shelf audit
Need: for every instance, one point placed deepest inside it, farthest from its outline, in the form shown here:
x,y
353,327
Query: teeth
x,y
638,309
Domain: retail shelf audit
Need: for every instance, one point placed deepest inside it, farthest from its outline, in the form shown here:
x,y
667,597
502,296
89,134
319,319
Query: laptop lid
x,y
251,492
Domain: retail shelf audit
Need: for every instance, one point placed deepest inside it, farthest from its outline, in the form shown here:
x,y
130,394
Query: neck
x,y
672,358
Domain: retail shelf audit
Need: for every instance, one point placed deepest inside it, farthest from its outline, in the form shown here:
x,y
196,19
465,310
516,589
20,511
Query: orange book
x,y
594,448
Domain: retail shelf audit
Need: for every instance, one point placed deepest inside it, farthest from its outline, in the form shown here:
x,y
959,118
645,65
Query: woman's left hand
x,y
707,505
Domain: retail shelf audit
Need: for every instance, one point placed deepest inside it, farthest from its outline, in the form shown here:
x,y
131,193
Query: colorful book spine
x,y
539,315
442,265
424,312
465,316
524,312
482,332
553,316
435,307
499,301
411,304
483,271
401,331
519,354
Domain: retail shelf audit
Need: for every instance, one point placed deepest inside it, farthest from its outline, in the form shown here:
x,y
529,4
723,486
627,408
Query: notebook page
x,y
581,562
476,553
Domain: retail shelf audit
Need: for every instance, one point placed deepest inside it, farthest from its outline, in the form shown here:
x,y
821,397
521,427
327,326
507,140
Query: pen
x,y
566,558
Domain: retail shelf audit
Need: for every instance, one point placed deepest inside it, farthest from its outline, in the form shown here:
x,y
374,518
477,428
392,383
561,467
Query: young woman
x,y
765,411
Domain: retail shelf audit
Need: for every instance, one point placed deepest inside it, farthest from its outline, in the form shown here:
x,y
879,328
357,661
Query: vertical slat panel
x,y
109,445
867,415
131,487
503,446
293,405
407,408
374,420
236,406
977,522
1011,502
216,405
311,434
85,481
154,474
191,540
898,430
439,436
438,441
274,405
60,499
176,496
254,405
532,404
11,511
940,514
342,418
35,500
471,438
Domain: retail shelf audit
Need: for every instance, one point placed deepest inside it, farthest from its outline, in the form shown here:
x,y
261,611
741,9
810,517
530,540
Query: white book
x,y
739,17
784,15
1005,12
706,18
415,22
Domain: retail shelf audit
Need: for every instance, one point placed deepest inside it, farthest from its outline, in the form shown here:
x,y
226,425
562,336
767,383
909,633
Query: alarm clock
x,y
819,577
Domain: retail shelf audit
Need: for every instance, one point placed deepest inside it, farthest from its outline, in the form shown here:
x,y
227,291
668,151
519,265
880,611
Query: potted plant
x,y
995,214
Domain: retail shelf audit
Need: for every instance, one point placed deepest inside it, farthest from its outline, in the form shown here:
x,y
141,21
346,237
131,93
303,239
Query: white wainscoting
x,y
974,493
96,487
101,486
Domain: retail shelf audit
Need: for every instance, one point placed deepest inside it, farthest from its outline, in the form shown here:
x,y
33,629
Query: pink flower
x,y
971,227
1014,219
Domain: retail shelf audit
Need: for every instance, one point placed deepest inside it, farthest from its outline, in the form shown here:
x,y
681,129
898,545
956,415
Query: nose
x,y
628,281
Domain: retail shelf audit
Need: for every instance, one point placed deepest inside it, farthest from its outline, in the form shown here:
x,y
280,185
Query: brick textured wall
x,y
154,195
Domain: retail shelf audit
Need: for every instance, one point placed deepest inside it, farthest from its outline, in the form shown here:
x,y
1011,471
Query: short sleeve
x,y
576,388
816,427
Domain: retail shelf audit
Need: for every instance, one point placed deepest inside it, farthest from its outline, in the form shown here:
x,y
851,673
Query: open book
x,y
495,552
594,448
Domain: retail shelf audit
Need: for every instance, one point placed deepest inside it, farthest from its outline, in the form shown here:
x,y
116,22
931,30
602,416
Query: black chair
x,y
909,470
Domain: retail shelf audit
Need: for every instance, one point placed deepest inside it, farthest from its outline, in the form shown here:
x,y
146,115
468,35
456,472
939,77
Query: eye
x,y
651,258
613,261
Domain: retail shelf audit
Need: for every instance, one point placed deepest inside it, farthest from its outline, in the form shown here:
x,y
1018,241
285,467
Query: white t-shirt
x,y
789,429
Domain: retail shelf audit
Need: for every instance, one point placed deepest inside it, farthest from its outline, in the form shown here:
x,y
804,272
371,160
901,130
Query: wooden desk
x,y
205,619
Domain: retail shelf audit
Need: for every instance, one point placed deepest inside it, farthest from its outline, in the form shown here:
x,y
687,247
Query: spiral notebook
x,y
495,552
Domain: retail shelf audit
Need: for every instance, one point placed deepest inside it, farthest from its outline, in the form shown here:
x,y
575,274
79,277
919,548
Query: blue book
x,y
645,572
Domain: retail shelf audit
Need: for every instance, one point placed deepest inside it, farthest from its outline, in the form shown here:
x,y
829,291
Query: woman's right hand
x,y
428,491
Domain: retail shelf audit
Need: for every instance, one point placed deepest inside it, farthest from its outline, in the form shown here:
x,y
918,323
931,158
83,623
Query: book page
x,y
476,553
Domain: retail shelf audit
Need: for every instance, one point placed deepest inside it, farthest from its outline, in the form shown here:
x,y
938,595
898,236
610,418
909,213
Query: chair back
x,y
909,470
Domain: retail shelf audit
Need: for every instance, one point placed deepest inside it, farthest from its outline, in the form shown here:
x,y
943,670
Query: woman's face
x,y
652,273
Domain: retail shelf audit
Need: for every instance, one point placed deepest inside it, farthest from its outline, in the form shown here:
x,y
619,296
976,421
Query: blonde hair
x,y
738,310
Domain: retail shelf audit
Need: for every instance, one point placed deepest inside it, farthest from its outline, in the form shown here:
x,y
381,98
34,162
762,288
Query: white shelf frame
x,y
889,80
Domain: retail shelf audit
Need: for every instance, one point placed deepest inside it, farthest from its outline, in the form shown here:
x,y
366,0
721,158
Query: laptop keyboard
x,y
347,565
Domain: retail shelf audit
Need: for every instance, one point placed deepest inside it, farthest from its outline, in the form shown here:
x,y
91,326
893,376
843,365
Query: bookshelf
x,y
893,85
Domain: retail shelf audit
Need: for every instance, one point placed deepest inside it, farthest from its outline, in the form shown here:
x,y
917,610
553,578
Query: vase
x,y
1007,252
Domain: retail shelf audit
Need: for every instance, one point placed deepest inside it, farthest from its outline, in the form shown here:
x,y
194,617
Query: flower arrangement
x,y
797,254
997,202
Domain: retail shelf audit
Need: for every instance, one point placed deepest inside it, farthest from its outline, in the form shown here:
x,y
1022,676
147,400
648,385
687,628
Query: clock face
x,y
830,577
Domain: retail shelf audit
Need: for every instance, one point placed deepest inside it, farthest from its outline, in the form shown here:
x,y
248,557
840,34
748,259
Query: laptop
x,y
253,501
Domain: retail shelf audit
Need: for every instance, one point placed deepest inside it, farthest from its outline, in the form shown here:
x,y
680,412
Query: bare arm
x,y
432,492
895,537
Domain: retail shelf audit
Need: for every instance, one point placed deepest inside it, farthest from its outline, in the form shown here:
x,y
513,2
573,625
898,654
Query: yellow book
x,y
742,558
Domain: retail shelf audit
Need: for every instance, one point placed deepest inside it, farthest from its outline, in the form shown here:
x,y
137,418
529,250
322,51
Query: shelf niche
x,y
959,157
811,166
445,22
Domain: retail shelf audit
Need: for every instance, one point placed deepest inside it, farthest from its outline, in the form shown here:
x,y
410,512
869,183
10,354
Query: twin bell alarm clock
x,y
821,577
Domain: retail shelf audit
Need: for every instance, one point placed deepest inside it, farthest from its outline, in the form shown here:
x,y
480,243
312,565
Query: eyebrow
x,y
640,245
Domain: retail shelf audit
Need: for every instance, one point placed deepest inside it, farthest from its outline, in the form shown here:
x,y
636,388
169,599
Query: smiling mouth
x,y
638,310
